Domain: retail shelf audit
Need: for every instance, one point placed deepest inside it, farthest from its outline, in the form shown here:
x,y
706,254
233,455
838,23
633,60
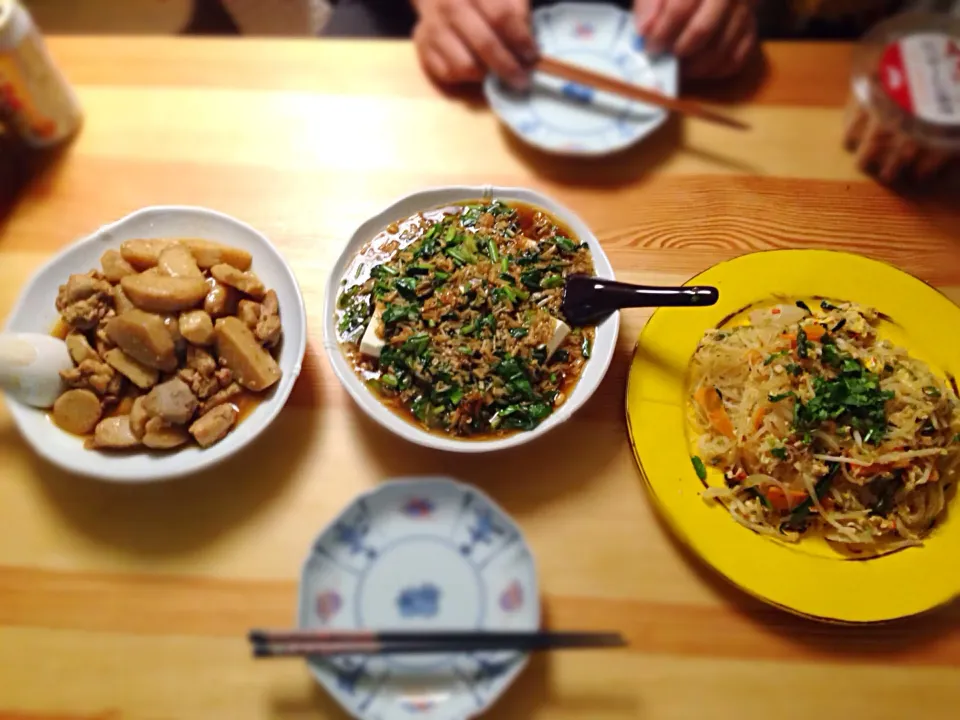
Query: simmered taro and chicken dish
x,y
453,317
171,340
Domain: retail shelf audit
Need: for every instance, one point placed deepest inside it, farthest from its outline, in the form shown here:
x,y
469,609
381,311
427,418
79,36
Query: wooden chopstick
x,y
552,66
310,643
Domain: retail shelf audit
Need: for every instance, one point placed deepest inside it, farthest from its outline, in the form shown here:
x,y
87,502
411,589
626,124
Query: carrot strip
x,y
709,400
778,499
758,416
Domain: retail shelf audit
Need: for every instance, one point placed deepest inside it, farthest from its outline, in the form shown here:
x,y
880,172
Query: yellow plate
x,y
807,578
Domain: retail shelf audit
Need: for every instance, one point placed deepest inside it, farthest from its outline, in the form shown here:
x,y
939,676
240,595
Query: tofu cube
x,y
560,332
372,341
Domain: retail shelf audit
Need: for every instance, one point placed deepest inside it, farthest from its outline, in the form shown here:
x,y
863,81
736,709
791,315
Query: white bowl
x,y
35,311
594,370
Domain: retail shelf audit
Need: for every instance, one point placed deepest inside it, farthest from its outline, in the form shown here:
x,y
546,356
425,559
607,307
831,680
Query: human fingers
x,y
645,11
708,21
727,52
510,20
487,46
444,56
671,17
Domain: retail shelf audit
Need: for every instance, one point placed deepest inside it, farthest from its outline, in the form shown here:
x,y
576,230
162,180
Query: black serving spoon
x,y
588,300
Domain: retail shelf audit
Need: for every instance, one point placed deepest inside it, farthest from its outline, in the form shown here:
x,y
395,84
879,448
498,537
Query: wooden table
x,y
132,602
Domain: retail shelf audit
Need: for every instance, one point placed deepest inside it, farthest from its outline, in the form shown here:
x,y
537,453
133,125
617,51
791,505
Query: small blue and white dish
x,y
565,118
420,554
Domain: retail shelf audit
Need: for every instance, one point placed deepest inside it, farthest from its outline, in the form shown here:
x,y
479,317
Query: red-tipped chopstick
x,y
301,643
552,66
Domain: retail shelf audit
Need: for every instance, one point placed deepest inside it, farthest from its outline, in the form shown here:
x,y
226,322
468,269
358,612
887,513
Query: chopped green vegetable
x,y
828,306
931,392
780,396
803,345
551,281
803,306
699,467
585,347
779,452
773,356
395,313
853,399
492,250
519,332
389,380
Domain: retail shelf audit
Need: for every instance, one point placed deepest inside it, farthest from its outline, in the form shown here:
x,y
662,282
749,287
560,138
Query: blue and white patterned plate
x,y
570,119
420,554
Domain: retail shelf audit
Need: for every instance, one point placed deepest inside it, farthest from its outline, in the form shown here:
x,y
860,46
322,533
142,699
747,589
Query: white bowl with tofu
x,y
224,396
432,225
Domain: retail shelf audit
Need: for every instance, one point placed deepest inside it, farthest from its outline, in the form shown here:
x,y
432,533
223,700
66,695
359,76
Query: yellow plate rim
x,y
903,583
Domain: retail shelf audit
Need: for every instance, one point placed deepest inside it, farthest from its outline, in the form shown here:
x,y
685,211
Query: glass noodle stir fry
x,y
819,424
453,317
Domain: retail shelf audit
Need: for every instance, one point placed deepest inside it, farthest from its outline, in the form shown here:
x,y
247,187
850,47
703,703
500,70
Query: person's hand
x,y
712,38
460,40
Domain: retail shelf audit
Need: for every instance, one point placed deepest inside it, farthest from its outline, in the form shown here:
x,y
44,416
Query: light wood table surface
x,y
132,602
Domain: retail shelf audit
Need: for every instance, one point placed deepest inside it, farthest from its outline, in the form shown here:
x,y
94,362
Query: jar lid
x,y
907,72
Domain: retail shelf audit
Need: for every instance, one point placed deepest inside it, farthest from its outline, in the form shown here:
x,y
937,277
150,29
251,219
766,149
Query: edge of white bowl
x,y
425,200
279,400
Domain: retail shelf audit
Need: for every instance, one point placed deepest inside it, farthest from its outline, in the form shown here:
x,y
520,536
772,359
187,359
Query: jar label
x,y
921,73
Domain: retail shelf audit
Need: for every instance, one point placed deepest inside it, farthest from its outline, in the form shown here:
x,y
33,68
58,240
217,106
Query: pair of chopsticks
x,y
301,643
552,66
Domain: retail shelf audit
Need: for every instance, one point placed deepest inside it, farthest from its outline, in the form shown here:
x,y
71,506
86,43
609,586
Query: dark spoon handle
x,y
614,295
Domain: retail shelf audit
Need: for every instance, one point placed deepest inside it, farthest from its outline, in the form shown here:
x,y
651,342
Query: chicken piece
x,y
114,433
139,417
208,253
144,337
79,348
224,376
139,374
200,372
268,329
213,427
157,293
77,411
173,401
251,365
158,435
96,376
245,282
144,254
177,261
249,313
227,394
120,300
115,267
197,327
221,300
84,300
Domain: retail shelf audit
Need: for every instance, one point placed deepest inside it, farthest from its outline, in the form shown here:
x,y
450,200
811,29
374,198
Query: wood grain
x,y
131,602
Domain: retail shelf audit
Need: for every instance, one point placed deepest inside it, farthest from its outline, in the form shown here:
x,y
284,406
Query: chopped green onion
x,y
699,467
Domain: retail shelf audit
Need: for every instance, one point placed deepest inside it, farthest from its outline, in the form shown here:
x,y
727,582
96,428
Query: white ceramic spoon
x,y
30,365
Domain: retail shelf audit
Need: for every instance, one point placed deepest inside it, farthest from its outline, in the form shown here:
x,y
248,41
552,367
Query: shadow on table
x,y
522,478
179,516
738,89
830,641
23,169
